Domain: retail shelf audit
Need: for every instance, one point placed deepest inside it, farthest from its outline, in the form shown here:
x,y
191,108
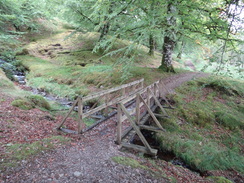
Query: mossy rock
x,y
39,101
22,52
31,102
22,104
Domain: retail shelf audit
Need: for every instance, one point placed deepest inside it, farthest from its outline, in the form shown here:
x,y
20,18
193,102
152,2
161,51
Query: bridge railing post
x,y
138,113
119,124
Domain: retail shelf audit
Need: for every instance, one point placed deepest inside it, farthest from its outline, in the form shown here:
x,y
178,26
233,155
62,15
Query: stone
x,y
77,174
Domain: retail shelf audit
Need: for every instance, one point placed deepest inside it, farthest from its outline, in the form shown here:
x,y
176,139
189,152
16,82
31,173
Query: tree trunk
x,y
169,41
151,45
168,48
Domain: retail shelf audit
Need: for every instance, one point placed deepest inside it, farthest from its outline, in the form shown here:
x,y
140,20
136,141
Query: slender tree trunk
x,y
151,45
104,31
181,50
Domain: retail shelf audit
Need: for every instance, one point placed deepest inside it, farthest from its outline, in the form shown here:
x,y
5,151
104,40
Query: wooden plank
x,y
126,131
151,113
101,93
96,117
70,110
65,130
168,107
160,115
152,128
136,128
140,148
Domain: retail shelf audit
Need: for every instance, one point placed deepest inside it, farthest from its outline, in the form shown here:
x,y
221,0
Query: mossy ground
x,y
17,152
69,67
30,102
206,128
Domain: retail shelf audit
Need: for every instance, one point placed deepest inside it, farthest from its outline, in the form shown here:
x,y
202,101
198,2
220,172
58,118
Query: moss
x,y
223,85
218,179
128,162
229,120
23,51
39,101
31,102
22,104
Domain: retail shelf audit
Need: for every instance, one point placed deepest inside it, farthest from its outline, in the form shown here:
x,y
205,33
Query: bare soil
x,y
87,158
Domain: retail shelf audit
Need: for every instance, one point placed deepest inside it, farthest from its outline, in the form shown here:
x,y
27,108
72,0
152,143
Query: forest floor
x,y
90,157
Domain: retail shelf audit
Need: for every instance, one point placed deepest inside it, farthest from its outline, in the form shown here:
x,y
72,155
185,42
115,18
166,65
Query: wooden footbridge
x,y
134,104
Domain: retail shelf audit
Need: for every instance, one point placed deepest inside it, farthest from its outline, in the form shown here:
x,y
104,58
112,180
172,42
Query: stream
x,y
164,155
20,78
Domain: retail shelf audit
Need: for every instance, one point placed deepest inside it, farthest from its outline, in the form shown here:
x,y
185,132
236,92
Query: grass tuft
x,y
128,162
31,102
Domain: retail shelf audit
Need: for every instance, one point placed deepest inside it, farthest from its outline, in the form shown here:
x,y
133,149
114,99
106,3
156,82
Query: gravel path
x,y
89,160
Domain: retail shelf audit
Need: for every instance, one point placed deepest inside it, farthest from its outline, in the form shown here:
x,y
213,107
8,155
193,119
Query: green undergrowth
x,y
30,102
206,126
14,153
4,81
73,80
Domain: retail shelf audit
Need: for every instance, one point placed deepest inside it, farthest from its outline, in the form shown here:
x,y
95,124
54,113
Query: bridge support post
x,y
80,113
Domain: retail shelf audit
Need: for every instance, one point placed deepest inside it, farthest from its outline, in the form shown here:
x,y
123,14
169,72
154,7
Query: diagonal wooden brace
x,y
158,103
151,113
70,110
136,128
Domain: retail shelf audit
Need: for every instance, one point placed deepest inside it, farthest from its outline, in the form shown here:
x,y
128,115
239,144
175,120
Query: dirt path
x,y
90,159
